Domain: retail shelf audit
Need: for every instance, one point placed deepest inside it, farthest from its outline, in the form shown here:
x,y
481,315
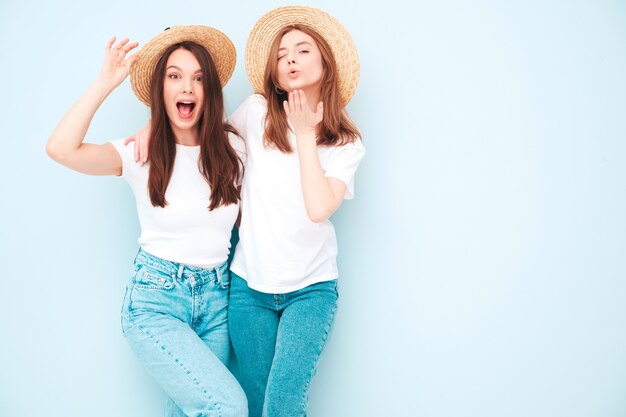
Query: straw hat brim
x,y
269,25
218,44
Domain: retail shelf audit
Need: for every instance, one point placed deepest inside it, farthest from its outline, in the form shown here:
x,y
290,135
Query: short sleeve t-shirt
x,y
280,249
183,231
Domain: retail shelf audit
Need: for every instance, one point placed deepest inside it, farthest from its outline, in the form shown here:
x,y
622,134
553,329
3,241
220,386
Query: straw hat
x,y
268,26
219,46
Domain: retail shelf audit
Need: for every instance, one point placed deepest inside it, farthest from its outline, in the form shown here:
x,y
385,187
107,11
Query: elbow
x,y
55,153
319,215
319,211
52,151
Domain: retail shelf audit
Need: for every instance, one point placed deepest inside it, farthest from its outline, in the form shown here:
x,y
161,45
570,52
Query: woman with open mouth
x,y
175,311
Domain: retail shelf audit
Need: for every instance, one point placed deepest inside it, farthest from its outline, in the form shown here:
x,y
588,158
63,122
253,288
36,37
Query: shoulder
x,y
344,157
249,114
130,168
256,99
254,103
356,147
122,149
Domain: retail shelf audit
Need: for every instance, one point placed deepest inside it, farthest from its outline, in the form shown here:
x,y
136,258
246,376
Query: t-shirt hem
x,y
196,263
282,289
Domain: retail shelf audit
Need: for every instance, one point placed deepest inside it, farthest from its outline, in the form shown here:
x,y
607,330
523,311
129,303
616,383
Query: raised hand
x,y
116,65
300,116
66,142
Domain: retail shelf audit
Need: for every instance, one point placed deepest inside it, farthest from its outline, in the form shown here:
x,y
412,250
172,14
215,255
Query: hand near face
x,y
116,65
300,116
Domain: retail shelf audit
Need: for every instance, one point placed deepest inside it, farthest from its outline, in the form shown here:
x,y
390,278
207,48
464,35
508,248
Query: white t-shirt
x,y
183,231
280,249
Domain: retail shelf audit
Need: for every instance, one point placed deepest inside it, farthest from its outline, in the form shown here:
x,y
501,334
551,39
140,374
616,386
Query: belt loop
x,y
180,270
218,274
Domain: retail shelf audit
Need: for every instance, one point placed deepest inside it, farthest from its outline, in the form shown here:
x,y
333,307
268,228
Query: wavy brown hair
x,y
218,161
335,129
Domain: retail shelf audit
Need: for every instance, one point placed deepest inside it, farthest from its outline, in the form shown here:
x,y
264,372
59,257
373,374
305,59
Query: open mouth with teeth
x,y
185,109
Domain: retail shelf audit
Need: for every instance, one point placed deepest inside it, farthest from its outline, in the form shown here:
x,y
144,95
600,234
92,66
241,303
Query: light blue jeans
x,y
175,318
278,339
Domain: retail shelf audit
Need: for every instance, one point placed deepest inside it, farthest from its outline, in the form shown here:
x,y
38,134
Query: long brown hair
x,y
335,129
218,161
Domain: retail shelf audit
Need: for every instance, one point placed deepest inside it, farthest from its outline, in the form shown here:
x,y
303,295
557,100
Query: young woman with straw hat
x,y
174,314
303,152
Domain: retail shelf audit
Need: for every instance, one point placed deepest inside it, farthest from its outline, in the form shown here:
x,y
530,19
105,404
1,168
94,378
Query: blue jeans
x,y
278,339
175,318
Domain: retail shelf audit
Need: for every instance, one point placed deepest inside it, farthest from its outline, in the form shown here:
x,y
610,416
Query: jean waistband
x,y
182,271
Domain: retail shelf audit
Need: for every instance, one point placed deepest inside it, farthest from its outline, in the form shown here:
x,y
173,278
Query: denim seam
x,y
178,362
314,364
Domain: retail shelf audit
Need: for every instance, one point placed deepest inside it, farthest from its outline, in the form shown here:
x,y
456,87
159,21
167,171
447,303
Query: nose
x,y
187,87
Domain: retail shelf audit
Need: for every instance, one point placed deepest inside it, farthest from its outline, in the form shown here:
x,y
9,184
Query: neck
x,y
186,137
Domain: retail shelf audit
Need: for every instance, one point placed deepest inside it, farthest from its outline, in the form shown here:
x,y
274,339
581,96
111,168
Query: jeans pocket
x,y
150,278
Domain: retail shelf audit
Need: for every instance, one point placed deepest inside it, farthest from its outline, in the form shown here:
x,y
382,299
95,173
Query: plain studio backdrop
x,y
482,261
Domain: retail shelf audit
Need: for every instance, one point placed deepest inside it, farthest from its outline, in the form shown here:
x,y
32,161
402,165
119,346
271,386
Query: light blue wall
x,y
483,260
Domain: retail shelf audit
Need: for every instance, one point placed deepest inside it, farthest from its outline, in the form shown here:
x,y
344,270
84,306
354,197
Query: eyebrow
x,y
180,69
298,44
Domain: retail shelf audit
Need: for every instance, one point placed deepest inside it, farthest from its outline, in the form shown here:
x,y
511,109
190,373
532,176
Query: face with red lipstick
x,y
299,63
183,94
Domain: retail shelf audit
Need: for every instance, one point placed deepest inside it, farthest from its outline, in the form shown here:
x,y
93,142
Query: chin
x,y
187,126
